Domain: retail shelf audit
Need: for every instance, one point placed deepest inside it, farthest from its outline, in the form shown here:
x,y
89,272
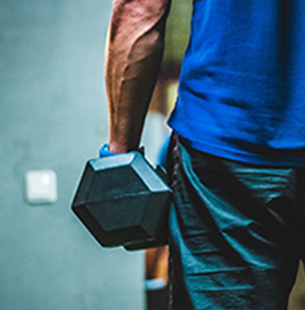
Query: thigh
x,y
231,245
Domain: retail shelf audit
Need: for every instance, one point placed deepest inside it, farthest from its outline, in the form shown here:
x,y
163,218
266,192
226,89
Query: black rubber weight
x,y
123,200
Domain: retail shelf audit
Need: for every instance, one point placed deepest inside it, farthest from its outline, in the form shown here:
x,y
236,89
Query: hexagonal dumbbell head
x,y
121,199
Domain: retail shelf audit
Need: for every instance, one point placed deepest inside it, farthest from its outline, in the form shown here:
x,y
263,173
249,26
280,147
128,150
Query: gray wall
x,y
53,116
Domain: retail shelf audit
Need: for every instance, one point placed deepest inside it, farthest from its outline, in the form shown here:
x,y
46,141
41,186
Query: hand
x,y
104,151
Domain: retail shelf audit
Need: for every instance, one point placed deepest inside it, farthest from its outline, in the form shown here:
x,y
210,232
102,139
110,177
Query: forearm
x,y
135,49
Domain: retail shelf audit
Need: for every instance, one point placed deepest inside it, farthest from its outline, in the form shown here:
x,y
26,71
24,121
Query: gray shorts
x,y
237,232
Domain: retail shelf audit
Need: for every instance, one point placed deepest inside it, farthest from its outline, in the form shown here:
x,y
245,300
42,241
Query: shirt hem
x,y
241,156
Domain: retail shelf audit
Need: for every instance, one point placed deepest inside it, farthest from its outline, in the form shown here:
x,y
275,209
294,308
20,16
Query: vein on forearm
x,y
134,55
136,65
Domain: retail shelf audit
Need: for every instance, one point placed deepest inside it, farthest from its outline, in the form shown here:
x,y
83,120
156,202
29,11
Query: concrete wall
x,y
53,116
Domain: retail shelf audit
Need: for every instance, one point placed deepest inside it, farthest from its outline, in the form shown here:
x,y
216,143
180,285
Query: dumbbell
x,y
123,201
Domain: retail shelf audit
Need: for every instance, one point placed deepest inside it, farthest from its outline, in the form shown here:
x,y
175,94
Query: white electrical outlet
x,y
41,186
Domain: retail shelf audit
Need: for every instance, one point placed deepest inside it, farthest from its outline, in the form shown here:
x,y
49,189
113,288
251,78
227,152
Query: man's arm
x,y
133,57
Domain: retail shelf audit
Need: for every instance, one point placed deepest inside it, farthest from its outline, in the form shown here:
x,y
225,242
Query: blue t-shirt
x,y
242,83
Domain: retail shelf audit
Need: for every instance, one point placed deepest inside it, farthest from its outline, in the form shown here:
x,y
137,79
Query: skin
x,y
156,263
133,57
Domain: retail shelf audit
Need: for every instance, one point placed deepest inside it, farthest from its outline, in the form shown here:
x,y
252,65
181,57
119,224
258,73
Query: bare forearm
x,y
135,48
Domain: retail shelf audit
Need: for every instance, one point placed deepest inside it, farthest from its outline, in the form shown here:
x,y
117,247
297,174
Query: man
x,y
237,154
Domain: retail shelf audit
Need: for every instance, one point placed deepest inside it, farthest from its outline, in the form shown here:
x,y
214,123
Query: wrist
x,y
123,143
